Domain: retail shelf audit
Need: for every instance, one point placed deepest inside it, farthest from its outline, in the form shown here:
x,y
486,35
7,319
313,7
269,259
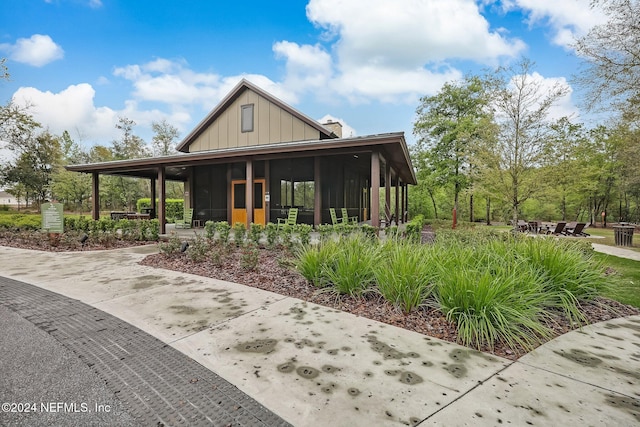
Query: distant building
x,y
7,199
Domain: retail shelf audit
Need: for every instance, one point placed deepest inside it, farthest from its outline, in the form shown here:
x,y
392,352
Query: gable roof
x,y
231,97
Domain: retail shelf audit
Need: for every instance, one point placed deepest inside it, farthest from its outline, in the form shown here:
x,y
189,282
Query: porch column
x,y
317,194
387,193
403,202
95,196
249,192
153,198
397,201
229,199
161,200
267,183
375,189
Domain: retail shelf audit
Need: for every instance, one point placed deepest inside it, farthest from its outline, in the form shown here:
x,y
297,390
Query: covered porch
x,y
259,184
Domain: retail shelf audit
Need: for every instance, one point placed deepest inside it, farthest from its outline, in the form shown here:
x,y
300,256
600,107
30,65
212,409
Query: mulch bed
x,y
275,272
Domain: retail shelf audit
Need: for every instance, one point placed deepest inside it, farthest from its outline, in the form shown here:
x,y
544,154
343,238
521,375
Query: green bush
x,y
174,208
224,230
250,256
210,230
271,230
570,276
239,233
19,222
312,261
198,248
304,233
490,298
404,275
255,232
172,245
352,265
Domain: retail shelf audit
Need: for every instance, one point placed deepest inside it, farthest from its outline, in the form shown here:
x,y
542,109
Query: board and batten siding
x,y
272,125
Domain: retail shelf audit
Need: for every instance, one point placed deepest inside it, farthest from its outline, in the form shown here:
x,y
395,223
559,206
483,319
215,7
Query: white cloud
x,y
308,68
73,109
410,34
568,19
37,50
390,54
171,82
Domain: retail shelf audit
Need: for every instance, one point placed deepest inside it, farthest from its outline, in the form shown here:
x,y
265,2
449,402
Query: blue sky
x,y
81,64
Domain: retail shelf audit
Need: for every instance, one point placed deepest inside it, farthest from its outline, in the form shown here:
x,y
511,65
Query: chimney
x,y
334,127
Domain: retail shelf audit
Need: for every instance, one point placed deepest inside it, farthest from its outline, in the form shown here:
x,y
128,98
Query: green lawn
x,y
626,280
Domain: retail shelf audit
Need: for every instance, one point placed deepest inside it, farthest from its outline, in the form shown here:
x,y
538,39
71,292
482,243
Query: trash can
x,y
623,235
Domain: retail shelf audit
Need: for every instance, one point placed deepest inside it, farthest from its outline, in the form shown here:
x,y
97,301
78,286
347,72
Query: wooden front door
x,y
239,201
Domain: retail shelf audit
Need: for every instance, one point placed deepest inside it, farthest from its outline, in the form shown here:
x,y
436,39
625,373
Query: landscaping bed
x,y
273,269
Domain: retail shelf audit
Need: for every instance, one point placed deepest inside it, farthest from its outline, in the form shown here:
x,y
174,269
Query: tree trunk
x,y
471,218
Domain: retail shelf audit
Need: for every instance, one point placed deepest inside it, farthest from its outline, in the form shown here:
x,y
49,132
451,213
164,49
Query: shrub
x,y
239,233
325,231
490,300
304,233
255,232
224,230
210,230
414,228
198,248
352,266
404,276
312,261
250,256
271,230
570,276
172,245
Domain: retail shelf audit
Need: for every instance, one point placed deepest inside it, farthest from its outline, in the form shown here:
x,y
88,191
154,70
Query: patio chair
x,y
334,218
346,219
577,230
568,229
186,220
291,219
522,225
559,228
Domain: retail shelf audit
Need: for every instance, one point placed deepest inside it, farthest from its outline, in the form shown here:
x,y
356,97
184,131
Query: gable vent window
x,y
246,124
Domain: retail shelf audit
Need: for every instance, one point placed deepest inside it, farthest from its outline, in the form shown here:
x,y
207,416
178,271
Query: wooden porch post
x,y
95,196
152,205
387,192
249,192
397,201
267,183
161,201
403,202
317,195
375,189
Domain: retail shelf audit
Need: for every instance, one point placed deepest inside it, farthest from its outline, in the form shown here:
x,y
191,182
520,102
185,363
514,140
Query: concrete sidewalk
x,y
312,365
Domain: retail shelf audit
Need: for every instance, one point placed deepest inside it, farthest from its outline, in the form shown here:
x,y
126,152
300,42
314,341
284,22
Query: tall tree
x,y
164,138
71,188
612,56
33,169
449,126
129,146
4,71
123,192
522,103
